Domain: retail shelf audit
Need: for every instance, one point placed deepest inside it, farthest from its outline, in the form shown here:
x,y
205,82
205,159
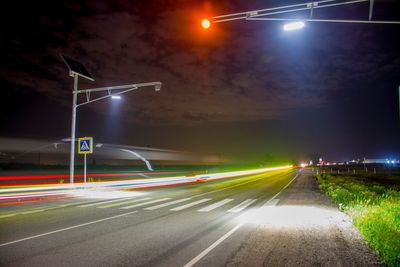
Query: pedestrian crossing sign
x,y
85,145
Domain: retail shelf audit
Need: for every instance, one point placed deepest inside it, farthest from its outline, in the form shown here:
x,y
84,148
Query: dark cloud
x,y
236,72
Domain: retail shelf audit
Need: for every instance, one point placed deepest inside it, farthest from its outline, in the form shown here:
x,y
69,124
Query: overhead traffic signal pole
x,y
265,14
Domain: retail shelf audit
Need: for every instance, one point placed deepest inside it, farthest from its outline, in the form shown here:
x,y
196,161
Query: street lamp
x,y
291,26
270,14
205,23
77,69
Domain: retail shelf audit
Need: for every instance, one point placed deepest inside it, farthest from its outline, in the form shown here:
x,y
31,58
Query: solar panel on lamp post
x,y
77,69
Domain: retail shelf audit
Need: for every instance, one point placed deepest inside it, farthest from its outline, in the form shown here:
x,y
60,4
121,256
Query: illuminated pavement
x,y
202,224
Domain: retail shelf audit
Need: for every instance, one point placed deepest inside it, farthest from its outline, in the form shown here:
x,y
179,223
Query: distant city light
x,y
116,97
303,165
205,23
293,26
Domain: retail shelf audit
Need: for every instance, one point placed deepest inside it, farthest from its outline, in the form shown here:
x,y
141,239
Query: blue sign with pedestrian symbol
x,y
85,145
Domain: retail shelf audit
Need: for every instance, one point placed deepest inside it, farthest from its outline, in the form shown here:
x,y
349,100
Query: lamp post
x,y
73,126
77,69
122,89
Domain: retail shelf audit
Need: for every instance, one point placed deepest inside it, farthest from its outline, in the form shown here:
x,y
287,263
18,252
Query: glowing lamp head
x,y
297,25
205,23
116,97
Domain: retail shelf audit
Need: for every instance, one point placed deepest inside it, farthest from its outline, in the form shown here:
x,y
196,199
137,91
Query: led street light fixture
x,y
297,25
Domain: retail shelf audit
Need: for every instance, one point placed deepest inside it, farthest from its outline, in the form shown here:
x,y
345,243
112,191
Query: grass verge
x,y
374,208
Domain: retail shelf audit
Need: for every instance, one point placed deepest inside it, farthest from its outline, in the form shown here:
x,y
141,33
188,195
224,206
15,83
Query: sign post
x,y
85,147
84,169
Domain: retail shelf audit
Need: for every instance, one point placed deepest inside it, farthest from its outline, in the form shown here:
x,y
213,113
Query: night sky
x,y
240,89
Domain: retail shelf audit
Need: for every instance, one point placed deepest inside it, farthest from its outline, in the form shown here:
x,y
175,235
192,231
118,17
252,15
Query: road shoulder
x,y
304,229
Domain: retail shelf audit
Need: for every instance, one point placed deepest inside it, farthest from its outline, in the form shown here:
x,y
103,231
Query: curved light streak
x,y
140,157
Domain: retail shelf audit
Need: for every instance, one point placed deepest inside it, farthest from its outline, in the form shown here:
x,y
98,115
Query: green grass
x,y
374,208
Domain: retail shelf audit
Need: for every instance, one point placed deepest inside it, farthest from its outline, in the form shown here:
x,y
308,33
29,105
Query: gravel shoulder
x,y
304,229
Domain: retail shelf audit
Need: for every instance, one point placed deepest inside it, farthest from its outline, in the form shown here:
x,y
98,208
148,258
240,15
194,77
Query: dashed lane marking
x,y
215,205
32,211
191,204
101,202
124,203
167,204
242,205
143,204
271,202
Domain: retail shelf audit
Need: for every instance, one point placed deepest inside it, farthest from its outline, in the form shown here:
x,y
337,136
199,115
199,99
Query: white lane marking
x,y
242,205
77,203
67,228
219,241
47,208
277,194
216,205
21,212
32,211
270,203
143,204
214,245
191,204
123,203
167,204
40,209
101,202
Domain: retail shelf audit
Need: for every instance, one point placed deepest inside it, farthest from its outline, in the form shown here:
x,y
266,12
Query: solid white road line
x,y
101,202
124,202
219,241
215,205
144,204
66,229
214,245
167,204
277,194
242,205
191,204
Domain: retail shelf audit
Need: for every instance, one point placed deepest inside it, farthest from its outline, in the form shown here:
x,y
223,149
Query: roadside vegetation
x,y
374,206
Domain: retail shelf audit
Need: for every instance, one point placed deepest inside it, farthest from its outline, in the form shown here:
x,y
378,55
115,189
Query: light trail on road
x,y
15,193
175,221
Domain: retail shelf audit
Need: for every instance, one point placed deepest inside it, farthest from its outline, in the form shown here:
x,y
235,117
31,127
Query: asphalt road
x,y
192,225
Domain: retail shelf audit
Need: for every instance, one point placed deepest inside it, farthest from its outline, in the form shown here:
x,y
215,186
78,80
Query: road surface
x,y
277,218
176,226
